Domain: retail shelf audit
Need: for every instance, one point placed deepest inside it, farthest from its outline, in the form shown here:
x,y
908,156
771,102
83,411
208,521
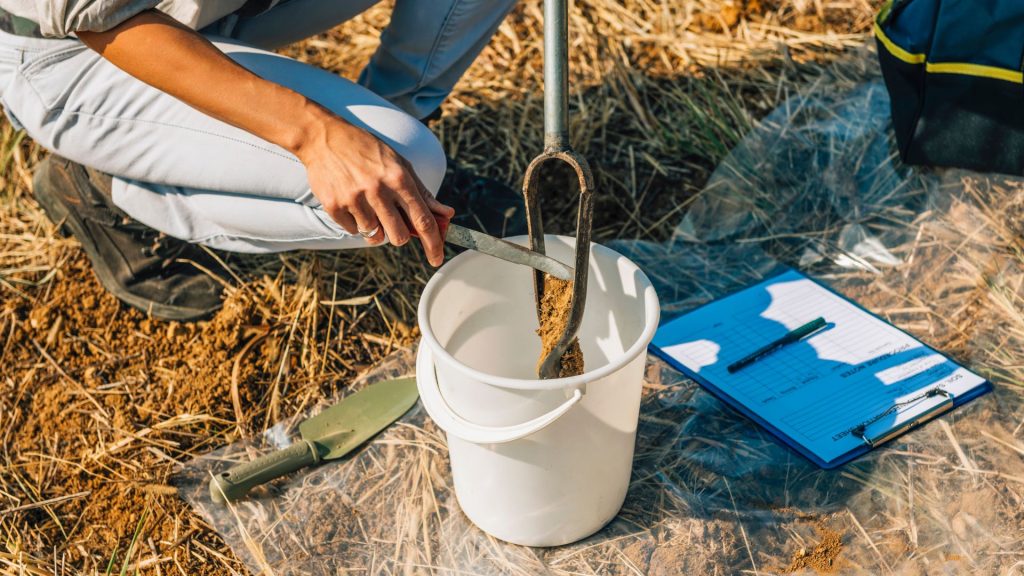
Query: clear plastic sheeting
x,y
817,186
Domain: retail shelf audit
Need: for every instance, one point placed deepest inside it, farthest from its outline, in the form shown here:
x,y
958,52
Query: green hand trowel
x,y
330,434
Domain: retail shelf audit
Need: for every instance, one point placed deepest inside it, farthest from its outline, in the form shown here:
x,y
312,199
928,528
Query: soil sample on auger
x,y
553,314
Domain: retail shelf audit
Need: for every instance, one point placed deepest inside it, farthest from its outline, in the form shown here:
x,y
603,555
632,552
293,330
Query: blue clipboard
x,y
956,401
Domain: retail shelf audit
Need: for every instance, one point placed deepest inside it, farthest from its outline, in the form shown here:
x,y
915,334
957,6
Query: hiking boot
x,y
162,276
482,203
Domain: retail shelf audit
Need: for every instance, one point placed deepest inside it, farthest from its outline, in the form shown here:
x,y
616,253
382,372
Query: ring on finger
x,y
369,233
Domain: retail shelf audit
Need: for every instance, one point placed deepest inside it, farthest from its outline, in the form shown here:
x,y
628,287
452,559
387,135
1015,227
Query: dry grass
x,y
100,405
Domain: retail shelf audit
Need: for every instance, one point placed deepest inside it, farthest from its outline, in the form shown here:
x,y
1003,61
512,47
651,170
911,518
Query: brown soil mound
x,y
554,316
100,402
111,395
824,557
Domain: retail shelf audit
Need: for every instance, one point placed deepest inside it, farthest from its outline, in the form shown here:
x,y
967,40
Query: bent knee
x,y
427,158
356,104
410,138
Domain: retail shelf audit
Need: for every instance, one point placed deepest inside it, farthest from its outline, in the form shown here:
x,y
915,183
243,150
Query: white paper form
x,y
857,371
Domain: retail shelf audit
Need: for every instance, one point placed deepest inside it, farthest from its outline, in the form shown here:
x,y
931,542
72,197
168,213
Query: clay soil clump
x,y
554,316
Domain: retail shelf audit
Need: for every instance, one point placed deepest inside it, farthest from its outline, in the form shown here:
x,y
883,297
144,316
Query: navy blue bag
x,y
953,69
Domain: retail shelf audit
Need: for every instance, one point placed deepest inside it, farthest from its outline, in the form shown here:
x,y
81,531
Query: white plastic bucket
x,y
535,462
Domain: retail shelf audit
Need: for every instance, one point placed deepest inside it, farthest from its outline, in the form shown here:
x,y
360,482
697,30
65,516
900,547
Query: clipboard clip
x,y
881,438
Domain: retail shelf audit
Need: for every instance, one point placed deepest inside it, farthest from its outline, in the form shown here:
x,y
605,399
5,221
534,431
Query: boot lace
x,y
155,244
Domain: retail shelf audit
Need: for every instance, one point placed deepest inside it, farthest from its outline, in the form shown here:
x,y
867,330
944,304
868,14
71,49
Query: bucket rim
x,y
650,296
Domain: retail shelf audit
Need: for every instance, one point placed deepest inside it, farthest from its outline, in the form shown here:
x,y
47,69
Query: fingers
x,y
433,204
343,217
383,193
366,220
424,222
411,198
391,219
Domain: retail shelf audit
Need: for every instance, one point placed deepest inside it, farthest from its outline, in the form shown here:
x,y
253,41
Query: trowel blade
x,y
358,417
506,250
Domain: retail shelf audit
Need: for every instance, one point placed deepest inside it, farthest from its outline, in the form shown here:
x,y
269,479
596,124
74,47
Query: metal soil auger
x,y
557,147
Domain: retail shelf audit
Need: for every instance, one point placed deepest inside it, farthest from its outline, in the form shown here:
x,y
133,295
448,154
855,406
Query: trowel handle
x,y
236,482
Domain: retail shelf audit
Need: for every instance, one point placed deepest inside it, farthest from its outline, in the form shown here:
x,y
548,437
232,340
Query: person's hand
x,y
364,185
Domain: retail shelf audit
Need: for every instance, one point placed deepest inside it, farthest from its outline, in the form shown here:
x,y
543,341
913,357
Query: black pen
x,y
790,337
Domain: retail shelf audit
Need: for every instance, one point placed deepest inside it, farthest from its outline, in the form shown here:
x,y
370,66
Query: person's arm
x,y
359,180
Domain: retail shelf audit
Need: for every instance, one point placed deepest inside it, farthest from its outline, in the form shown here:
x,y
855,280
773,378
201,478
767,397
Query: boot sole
x,y
57,213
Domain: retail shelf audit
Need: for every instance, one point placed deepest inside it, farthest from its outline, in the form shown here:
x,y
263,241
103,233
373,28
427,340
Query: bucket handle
x,y
452,423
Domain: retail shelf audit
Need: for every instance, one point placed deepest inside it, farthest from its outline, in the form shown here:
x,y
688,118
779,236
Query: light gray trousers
x,y
199,179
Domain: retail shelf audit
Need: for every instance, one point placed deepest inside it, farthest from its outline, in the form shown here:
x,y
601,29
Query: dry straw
x,y
98,399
